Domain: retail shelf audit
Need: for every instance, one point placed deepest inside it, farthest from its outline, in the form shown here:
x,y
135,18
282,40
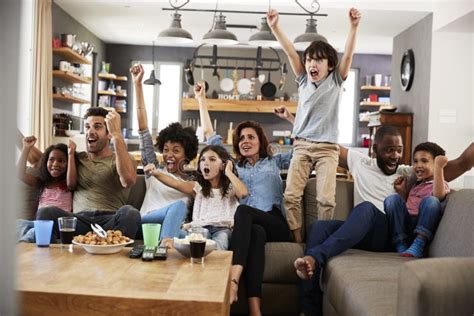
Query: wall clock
x,y
407,69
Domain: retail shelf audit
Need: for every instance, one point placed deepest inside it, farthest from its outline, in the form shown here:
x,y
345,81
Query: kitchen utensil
x,y
235,76
226,84
284,71
244,85
99,230
188,74
87,48
77,47
268,89
206,84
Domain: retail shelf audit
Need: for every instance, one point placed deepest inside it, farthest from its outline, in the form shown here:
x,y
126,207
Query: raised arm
x,y
283,113
28,143
186,187
288,47
240,188
346,61
35,154
126,168
200,94
137,75
460,165
438,177
71,177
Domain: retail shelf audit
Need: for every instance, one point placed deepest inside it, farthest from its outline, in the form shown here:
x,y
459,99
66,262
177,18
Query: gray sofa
x,y
367,283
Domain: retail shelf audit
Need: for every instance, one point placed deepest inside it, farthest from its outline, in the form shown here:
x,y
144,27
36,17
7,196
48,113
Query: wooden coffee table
x,y
53,281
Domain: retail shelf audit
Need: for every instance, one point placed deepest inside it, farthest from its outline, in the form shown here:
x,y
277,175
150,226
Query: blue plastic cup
x,y
43,231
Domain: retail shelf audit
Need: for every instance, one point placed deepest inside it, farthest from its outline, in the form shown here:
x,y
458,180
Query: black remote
x,y
136,252
161,253
148,254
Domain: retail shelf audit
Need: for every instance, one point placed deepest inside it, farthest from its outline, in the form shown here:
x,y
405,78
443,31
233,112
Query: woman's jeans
x,y
170,217
405,227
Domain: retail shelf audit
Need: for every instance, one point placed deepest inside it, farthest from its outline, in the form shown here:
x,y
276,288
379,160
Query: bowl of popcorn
x,y
183,246
92,243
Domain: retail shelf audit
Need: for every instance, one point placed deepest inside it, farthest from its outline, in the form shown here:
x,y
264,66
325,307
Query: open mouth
x,y
313,73
419,173
246,148
170,164
91,141
206,171
391,166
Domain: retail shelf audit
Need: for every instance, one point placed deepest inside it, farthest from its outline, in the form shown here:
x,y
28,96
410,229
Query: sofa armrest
x,y
436,286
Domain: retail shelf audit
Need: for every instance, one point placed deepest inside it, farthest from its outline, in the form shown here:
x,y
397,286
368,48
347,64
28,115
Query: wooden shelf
x,y
70,99
108,92
71,77
374,104
110,76
70,55
375,88
251,106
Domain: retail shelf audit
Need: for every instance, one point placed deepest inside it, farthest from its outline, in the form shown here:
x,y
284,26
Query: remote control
x,y
148,254
161,253
136,252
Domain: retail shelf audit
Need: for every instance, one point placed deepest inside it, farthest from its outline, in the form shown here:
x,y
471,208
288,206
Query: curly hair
x,y
322,50
96,111
432,148
264,150
224,181
186,136
44,175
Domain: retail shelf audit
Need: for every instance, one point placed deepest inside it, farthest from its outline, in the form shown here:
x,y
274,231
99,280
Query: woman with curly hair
x,y
163,204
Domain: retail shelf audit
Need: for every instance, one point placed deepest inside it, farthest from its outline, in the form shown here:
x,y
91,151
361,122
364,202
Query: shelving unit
x,y
370,106
113,98
70,99
68,78
110,76
375,88
109,92
248,106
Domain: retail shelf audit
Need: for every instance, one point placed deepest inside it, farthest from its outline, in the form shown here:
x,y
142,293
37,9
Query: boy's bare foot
x,y
234,288
305,267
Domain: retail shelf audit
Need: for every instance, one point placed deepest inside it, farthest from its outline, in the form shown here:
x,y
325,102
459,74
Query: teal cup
x,y
43,231
151,234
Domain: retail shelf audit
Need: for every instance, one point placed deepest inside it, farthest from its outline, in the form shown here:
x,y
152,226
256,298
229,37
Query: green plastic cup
x,y
151,234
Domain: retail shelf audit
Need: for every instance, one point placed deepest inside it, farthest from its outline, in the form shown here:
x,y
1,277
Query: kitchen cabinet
x,y
111,93
69,87
404,123
249,106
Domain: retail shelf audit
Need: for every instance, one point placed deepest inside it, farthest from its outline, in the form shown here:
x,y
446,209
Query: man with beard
x,y
367,225
103,179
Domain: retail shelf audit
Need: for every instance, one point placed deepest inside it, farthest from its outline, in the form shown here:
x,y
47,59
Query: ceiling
x,y
138,22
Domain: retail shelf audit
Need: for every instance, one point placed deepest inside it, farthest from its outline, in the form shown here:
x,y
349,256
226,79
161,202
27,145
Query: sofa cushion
x,y
354,289
455,235
137,193
279,258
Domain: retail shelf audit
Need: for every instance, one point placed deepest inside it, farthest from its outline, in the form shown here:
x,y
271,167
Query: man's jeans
x,y
403,226
366,228
170,217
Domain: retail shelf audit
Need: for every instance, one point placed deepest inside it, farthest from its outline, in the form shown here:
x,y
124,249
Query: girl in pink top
x,y
54,177
416,219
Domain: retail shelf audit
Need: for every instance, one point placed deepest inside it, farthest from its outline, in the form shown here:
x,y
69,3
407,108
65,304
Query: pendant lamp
x,y
310,35
153,80
219,34
175,34
264,37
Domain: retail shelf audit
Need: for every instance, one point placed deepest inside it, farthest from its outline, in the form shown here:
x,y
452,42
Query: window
x,y
347,109
163,101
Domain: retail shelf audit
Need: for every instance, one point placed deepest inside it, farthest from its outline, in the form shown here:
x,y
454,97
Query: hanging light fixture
x,y
310,35
264,37
153,80
219,35
175,34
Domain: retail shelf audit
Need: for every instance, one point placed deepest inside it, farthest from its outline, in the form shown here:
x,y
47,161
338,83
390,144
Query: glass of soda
x,y
67,229
197,244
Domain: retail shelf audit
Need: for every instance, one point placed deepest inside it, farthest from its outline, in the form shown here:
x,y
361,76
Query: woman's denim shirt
x,y
263,179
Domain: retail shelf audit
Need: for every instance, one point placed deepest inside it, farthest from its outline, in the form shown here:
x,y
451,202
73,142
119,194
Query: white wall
x,y
451,115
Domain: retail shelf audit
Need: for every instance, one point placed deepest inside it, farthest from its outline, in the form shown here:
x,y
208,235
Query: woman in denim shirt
x,y
163,204
260,217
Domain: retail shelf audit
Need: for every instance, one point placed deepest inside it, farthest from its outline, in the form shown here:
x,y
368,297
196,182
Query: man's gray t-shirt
x,y
318,107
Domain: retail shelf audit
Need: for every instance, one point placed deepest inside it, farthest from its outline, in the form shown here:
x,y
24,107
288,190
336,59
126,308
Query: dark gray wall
x,y
417,99
63,23
121,56
10,25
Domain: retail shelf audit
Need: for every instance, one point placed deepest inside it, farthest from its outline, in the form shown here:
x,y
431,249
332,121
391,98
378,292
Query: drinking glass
x,y
43,231
197,244
67,229
151,234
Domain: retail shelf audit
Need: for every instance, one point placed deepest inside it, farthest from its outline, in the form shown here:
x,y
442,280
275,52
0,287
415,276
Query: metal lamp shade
x,y
310,35
264,37
219,35
152,80
175,34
